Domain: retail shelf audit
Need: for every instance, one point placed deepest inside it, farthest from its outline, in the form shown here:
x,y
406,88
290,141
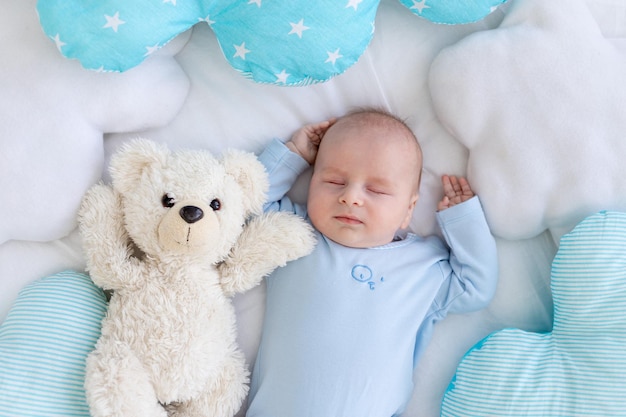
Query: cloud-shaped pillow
x,y
289,42
577,369
53,115
539,103
452,12
44,342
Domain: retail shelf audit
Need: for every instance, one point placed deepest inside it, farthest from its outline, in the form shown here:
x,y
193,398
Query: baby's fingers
x,y
456,190
465,188
315,132
443,204
450,185
322,127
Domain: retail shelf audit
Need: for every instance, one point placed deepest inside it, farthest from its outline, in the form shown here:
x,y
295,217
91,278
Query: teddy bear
x,y
173,238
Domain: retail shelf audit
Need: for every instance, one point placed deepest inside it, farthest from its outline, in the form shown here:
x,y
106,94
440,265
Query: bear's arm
x,y
267,242
105,241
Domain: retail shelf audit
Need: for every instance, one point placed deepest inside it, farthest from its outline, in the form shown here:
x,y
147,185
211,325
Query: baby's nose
x,y
352,195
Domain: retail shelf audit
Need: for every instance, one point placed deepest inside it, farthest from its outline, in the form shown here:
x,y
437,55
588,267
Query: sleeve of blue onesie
x,y
470,272
472,268
283,168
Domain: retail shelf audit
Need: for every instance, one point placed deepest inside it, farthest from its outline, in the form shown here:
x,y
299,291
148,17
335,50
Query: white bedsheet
x,y
59,124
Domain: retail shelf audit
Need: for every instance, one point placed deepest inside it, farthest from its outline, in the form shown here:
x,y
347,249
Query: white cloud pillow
x,y
539,103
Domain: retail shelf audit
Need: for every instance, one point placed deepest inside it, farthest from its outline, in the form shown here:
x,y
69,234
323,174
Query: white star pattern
x,y
241,51
151,49
282,77
354,4
59,43
419,6
207,20
173,2
257,2
113,22
333,56
298,28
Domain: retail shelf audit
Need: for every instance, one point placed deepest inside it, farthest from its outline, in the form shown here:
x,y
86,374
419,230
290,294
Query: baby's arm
x,y
284,162
306,140
472,266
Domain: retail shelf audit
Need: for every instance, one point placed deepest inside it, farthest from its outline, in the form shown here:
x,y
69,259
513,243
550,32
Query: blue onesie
x,y
344,327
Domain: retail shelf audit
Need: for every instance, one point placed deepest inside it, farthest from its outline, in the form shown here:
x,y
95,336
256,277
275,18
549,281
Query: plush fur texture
x,y
174,239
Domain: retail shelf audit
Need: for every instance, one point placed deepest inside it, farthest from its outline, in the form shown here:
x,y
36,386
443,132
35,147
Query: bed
x,y
525,98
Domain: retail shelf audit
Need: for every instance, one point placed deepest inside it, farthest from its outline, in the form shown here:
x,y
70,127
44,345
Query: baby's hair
x,y
381,116
363,112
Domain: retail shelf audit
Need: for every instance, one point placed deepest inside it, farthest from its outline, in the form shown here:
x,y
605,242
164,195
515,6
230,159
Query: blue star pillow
x,y
452,12
44,341
579,368
285,42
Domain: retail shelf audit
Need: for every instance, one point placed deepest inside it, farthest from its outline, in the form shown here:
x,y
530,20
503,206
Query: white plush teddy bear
x,y
174,238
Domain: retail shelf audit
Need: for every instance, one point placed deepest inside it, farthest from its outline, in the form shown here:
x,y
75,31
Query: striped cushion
x,y
579,368
53,325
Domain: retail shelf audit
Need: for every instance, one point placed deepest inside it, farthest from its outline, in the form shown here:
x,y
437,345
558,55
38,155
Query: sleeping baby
x,y
345,326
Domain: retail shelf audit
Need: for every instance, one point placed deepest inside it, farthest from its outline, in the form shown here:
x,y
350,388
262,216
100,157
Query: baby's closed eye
x,y
335,181
378,190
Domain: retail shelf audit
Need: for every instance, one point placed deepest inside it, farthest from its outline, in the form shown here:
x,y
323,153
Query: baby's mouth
x,y
348,219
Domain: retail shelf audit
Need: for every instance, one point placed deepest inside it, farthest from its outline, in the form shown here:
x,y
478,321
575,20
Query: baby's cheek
x,y
320,223
314,212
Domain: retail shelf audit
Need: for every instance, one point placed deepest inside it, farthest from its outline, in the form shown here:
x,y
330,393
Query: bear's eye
x,y
168,200
216,204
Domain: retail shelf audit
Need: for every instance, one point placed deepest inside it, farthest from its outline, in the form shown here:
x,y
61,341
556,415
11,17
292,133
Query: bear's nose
x,y
191,214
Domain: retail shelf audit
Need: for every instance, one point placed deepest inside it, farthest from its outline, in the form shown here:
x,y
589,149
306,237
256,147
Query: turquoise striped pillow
x,y
578,369
53,325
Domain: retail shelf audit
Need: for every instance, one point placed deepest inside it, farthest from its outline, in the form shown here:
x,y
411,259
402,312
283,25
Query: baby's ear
x,y
132,159
250,174
409,214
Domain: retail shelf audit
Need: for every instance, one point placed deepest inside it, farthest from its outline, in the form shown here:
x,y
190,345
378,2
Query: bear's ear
x,y
250,174
129,162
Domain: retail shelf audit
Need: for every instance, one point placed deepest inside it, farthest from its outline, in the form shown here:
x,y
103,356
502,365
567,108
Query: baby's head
x,y
365,180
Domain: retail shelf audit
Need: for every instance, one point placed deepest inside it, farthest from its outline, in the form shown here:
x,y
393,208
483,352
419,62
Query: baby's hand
x,y
307,139
455,191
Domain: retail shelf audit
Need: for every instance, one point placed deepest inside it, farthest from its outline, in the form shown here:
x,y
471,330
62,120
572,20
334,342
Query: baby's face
x,y
363,189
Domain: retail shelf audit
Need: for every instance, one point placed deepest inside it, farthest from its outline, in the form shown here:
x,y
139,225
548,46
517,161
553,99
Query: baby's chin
x,y
356,242
351,236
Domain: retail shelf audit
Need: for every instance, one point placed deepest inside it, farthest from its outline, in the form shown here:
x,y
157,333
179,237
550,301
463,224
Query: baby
x,y
345,326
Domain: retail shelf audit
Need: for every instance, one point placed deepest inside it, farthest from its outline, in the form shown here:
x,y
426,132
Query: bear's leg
x,y
117,385
223,396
